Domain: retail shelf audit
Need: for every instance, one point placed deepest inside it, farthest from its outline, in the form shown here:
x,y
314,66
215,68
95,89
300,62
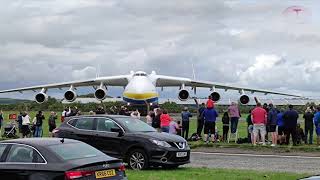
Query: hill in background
x,y
12,101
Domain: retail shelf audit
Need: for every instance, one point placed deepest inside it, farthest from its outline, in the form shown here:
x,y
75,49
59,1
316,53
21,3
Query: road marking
x,y
256,155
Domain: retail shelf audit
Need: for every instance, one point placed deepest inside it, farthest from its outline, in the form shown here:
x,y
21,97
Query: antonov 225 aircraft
x,y
140,88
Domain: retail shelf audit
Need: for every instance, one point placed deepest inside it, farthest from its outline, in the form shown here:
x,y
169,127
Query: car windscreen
x,y
135,125
71,151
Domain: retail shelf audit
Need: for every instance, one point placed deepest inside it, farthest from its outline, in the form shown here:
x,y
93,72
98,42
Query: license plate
x,y
182,154
105,174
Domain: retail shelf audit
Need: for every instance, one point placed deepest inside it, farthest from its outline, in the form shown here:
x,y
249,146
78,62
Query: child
x,y
300,134
226,125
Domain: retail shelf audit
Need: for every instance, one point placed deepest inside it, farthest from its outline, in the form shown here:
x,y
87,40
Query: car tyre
x,y
138,159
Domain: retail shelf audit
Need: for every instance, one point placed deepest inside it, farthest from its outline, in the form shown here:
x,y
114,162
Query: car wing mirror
x,y
117,130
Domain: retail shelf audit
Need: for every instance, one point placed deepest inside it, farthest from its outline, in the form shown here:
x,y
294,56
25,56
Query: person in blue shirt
x,y
185,116
280,124
317,124
210,117
290,119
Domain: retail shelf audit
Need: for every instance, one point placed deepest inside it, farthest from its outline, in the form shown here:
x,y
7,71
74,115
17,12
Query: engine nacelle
x,y
41,97
70,95
100,94
183,95
244,99
215,96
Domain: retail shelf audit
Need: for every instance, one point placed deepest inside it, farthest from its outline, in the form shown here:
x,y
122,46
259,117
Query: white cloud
x,y
237,42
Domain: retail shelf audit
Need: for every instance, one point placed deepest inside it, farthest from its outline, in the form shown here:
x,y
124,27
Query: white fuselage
x,y
141,89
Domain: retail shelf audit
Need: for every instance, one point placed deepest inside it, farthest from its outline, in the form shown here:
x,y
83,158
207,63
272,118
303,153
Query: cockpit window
x,y
140,74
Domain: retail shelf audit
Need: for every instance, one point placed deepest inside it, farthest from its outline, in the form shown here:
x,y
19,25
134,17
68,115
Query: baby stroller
x,y
10,130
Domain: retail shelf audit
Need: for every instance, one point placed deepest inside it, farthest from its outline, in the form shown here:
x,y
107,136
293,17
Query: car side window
x,y
2,149
24,154
106,125
85,123
73,122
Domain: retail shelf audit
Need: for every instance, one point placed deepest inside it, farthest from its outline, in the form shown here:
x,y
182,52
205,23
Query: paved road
x,y
298,164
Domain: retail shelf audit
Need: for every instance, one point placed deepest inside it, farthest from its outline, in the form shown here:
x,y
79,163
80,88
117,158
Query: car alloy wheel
x,y
137,160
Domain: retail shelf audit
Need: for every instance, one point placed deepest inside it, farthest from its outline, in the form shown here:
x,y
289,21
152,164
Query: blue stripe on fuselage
x,y
133,101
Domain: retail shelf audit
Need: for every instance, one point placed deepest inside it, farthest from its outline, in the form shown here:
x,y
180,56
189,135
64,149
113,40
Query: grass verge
x,y
215,174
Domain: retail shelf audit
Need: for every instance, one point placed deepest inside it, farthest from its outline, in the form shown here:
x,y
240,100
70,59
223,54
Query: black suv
x,y
131,139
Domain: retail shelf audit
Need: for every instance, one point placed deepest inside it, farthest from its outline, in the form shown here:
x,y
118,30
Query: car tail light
x,y
77,174
122,167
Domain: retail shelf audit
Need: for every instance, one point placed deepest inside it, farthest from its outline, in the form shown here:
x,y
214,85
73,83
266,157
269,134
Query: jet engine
x,y
41,97
183,95
101,93
215,96
244,99
70,95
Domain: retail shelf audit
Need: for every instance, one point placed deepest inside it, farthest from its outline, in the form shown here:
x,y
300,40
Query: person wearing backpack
x,y
272,124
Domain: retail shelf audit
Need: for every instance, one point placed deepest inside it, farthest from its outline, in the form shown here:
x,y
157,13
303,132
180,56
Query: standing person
x,y
234,113
308,125
165,121
272,124
280,124
200,119
249,127
156,121
290,118
20,124
64,115
39,121
226,126
210,116
150,117
185,116
25,125
135,114
100,110
52,122
259,121
122,111
317,125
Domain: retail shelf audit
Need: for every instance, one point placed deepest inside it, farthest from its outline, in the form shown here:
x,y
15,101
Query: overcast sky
x,y
249,43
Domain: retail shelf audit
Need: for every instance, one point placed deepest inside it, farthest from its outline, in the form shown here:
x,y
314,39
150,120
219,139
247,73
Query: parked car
x,y
127,138
53,158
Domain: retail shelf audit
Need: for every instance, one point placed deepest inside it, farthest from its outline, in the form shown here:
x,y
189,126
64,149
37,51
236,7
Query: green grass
x,y
204,173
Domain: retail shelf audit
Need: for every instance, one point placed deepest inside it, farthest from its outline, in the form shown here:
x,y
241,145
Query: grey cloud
x,y
52,41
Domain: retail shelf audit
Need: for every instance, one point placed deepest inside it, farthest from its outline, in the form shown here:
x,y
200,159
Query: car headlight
x,y
161,143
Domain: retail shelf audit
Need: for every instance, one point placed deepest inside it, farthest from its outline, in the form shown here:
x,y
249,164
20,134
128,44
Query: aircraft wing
x,y
107,81
169,81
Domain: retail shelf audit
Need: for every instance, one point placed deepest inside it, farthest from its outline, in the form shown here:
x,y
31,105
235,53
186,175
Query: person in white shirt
x,y
25,125
135,114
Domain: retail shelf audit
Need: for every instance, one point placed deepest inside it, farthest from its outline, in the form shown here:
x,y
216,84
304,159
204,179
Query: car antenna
x,y
62,140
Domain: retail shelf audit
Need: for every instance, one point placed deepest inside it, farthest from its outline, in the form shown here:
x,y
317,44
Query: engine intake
x,y
41,97
100,94
183,95
70,95
215,96
244,99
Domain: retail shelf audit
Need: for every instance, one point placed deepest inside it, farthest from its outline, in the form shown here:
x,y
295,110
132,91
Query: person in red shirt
x,y
259,120
210,103
165,121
